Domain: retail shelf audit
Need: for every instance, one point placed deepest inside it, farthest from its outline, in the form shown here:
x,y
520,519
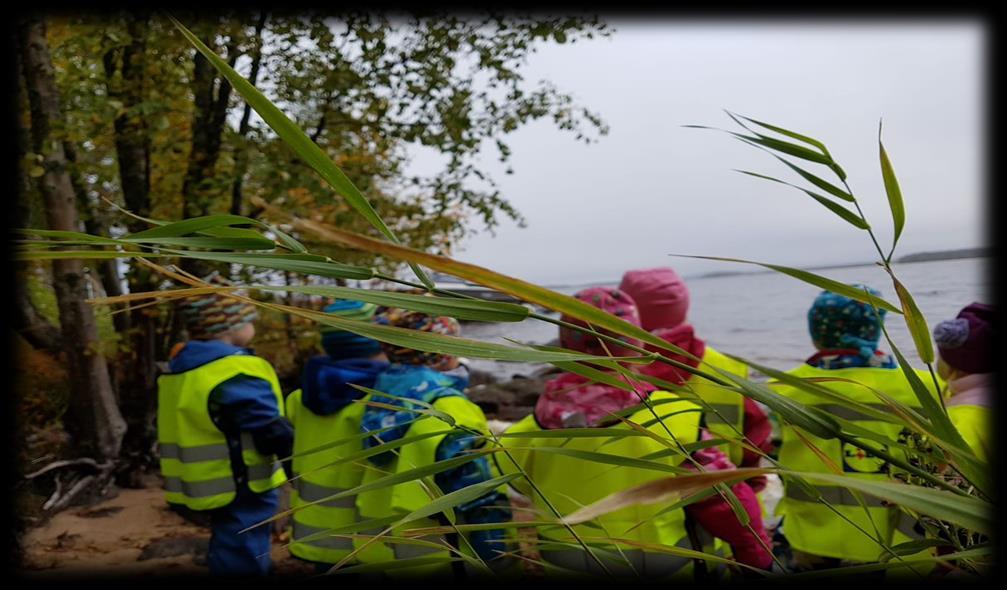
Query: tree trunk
x,y
132,146
93,417
241,158
30,324
211,94
96,225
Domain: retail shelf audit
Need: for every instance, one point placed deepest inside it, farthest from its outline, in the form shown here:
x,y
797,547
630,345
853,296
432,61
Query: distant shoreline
x,y
959,253
956,254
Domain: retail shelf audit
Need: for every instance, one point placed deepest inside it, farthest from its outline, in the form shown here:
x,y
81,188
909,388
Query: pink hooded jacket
x,y
662,299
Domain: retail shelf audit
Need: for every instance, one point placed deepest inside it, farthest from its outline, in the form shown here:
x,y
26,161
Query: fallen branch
x,y
99,467
77,488
55,495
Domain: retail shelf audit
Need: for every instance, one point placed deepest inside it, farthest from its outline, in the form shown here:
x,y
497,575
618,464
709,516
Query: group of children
x,y
226,434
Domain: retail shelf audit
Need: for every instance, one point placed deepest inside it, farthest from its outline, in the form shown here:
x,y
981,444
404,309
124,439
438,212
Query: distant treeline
x,y
946,255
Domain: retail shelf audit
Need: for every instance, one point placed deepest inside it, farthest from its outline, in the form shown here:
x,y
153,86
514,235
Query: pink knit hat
x,y
660,294
607,299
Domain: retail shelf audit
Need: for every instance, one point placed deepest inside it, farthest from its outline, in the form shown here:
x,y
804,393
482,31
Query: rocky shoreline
x,y
511,400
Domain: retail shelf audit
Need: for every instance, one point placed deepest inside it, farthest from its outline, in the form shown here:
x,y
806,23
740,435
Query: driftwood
x,y
58,500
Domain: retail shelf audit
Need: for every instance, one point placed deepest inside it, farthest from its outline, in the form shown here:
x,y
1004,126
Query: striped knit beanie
x,y
340,344
414,320
209,316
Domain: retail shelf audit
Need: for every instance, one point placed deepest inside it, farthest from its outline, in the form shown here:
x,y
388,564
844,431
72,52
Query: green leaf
x,y
965,511
832,573
788,133
259,243
191,226
308,264
916,323
607,458
74,236
894,192
462,309
911,548
816,423
786,148
813,279
819,390
215,225
432,342
847,215
396,564
814,179
80,254
449,501
482,276
298,141
575,433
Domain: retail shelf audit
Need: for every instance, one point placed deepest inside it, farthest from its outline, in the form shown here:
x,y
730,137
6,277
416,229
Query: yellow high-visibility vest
x,y
974,423
726,416
321,479
810,525
194,457
569,483
319,474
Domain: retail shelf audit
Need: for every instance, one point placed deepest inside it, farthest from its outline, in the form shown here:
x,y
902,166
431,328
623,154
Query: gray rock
x,y
172,547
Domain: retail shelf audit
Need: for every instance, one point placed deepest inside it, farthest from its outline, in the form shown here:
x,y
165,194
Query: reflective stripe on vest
x,y
194,454
194,457
570,483
313,492
318,537
811,526
199,489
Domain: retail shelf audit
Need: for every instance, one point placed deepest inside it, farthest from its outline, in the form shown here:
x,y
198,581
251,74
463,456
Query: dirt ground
x,y
133,533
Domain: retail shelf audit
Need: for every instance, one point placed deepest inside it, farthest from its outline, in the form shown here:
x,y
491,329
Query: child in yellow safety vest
x,y
828,526
663,301
571,400
220,429
966,364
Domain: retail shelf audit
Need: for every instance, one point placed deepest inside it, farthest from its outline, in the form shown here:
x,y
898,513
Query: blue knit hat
x,y
340,344
836,321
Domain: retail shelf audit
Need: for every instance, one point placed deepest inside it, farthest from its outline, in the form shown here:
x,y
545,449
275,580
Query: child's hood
x,y
326,384
574,401
196,353
414,382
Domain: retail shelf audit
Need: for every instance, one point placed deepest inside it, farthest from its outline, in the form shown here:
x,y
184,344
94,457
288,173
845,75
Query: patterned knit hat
x,y
836,321
607,299
966,342
209,316
414,320
340,344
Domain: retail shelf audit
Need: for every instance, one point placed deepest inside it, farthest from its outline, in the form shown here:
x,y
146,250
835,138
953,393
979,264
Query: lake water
x,y
763,317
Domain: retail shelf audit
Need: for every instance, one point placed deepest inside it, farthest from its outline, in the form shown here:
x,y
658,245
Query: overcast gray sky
x,y
651,187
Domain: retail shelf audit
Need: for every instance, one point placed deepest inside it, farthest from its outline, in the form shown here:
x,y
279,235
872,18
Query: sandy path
x,y
110,538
